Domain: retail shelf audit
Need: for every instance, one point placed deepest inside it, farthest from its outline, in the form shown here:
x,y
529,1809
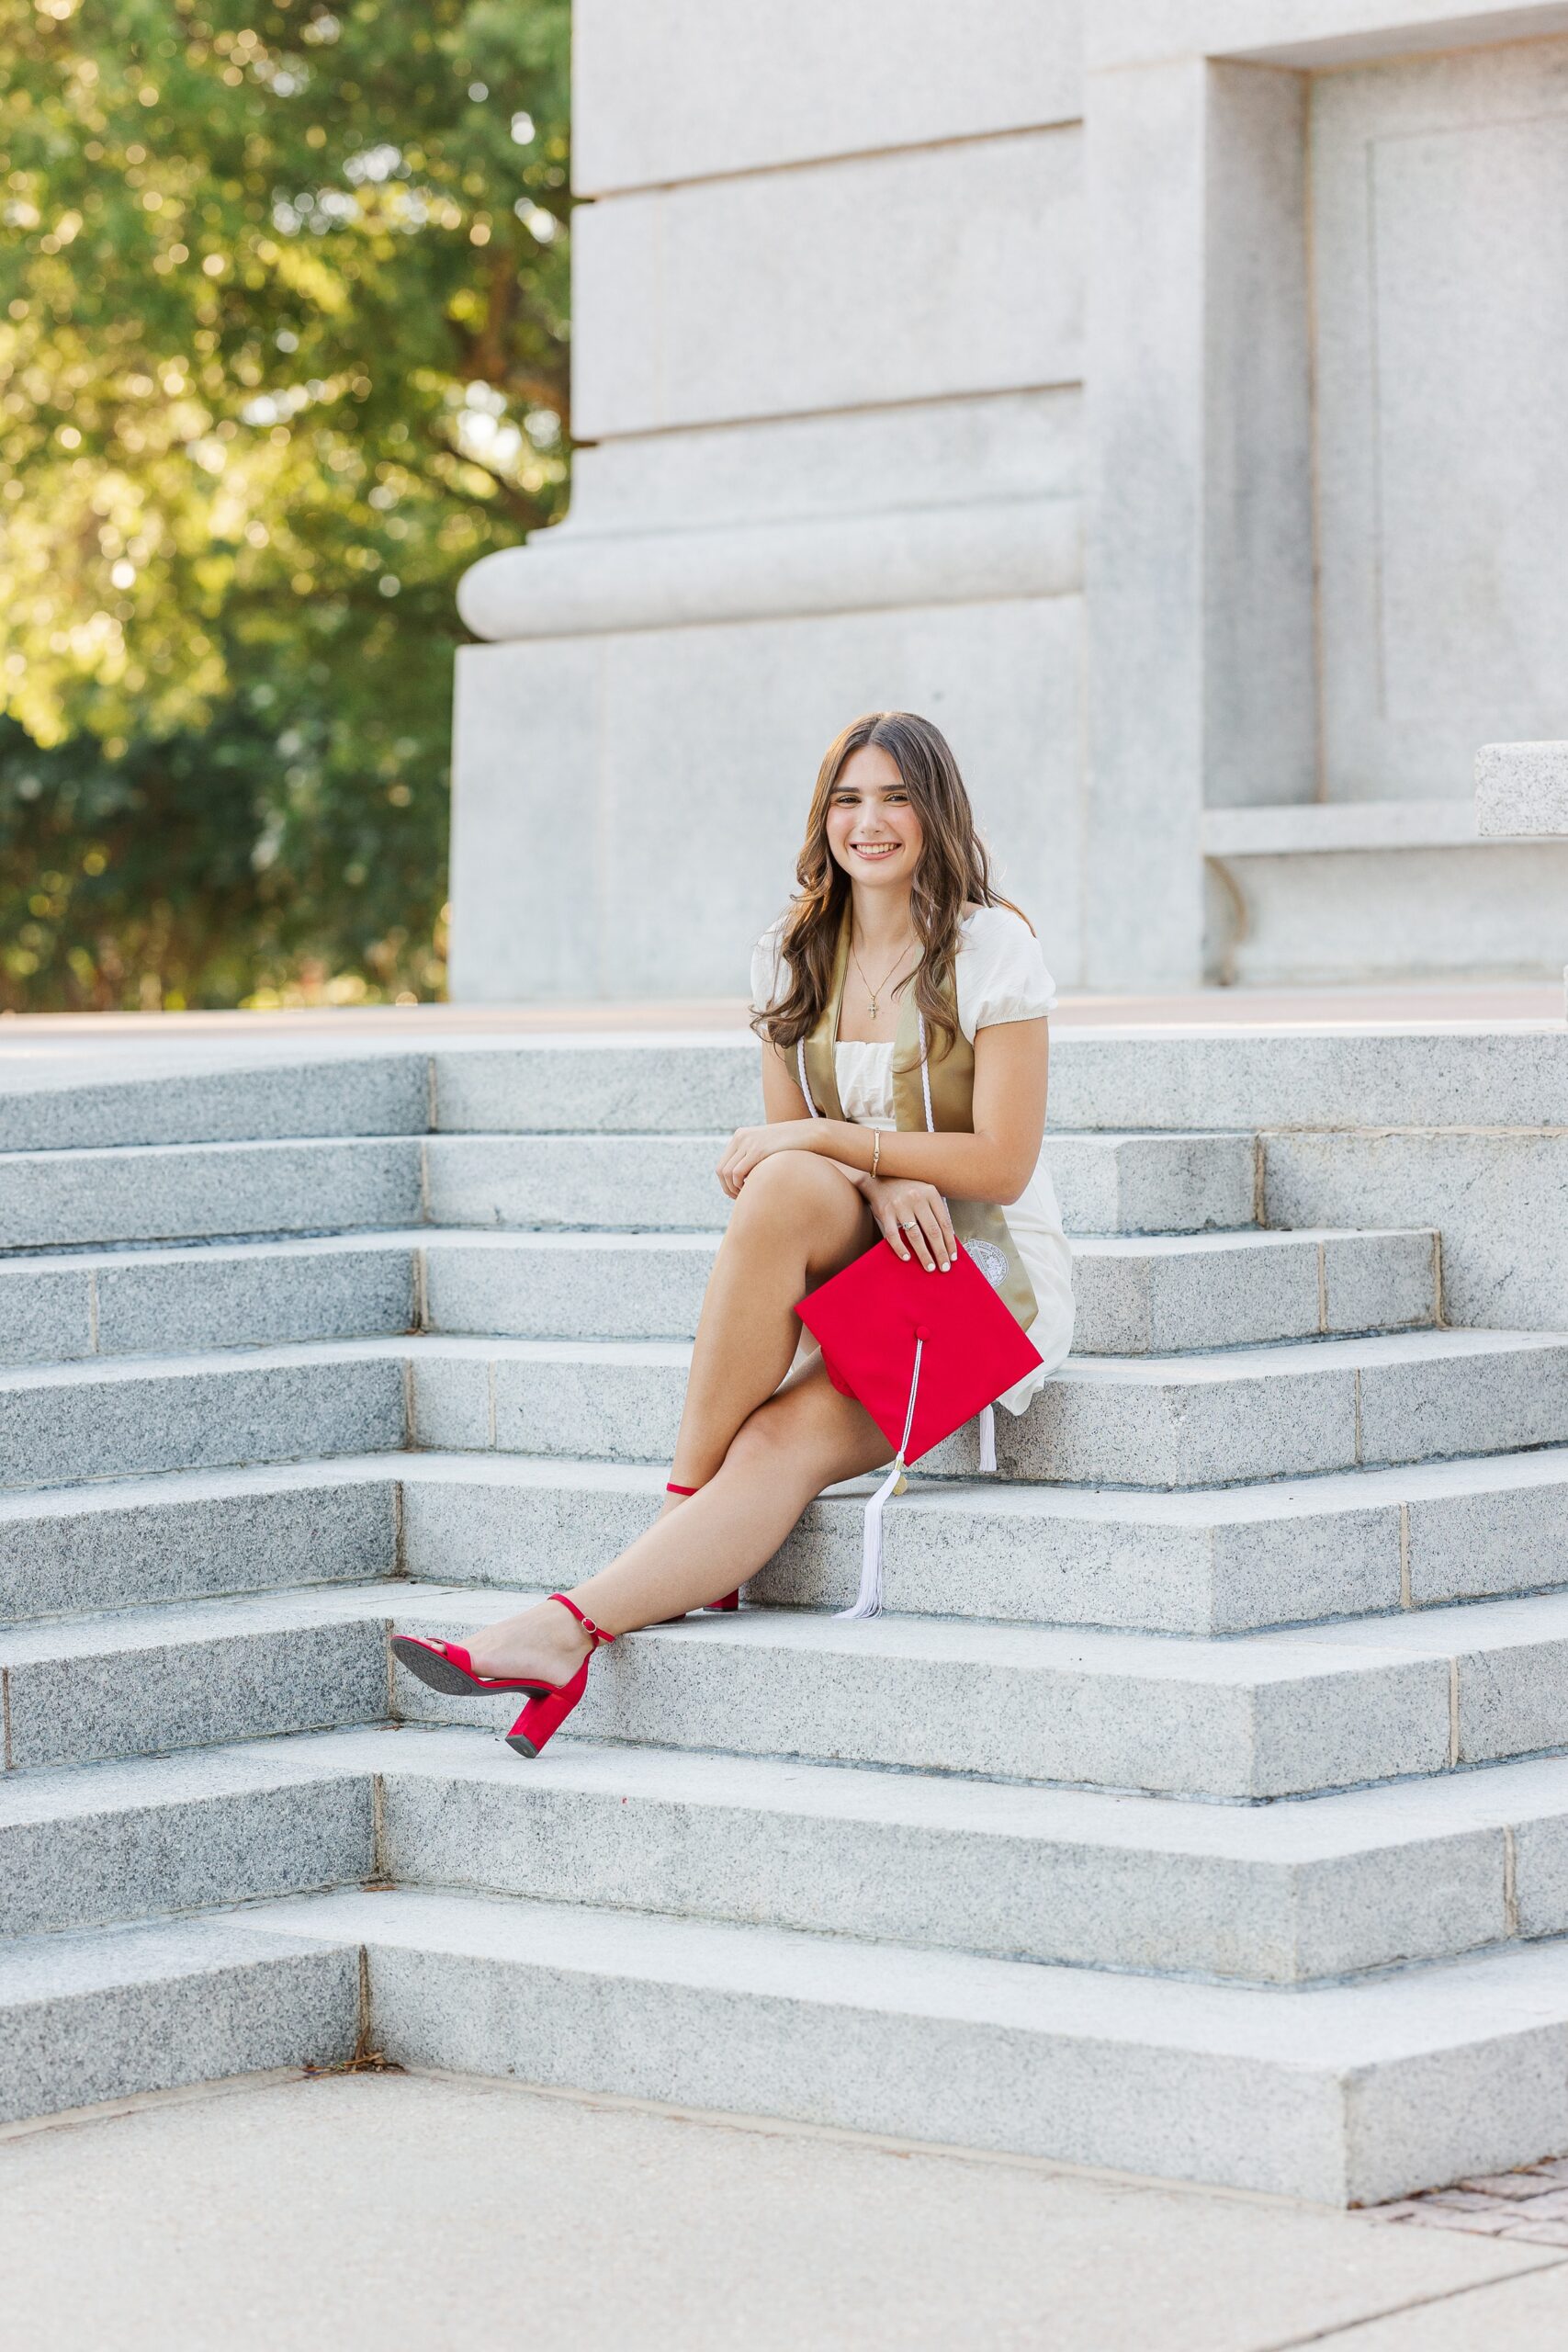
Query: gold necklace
x,y
874,993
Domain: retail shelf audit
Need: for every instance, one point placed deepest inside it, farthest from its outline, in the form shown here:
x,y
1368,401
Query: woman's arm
x,y
995,1163
782,1097
783,1101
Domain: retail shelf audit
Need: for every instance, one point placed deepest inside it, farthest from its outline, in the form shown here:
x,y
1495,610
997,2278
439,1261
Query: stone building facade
x,y
1166,396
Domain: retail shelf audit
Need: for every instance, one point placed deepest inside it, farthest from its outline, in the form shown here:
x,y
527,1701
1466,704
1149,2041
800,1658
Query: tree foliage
x,y
283,349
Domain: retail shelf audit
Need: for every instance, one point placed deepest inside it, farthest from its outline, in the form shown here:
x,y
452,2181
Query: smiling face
x,y
873,831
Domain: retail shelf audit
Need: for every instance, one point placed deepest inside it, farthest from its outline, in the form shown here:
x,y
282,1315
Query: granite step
x,y
1134,1296
69,1307
634,1182
1165,1294
1248,1717
1225,1417
1195,1560
1200,1560
1115,1183
117,1544
73,1197
1289,1892
1164,1079
1203,1560
88,1845
202,1673
1340,2093
631,1083
118,1417
114,2011
73,1096
1344,2094
1292,1892
180,1190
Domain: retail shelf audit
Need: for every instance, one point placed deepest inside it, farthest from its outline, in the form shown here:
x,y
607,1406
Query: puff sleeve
x,y
770,974
1001,972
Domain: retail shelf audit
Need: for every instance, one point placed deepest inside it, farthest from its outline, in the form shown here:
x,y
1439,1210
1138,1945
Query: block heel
x,y
548,1709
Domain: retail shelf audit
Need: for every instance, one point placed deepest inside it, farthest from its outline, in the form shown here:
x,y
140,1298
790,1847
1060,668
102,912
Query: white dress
x,y
1001,976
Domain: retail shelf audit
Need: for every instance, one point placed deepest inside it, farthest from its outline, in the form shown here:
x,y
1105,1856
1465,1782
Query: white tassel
x,y
868,1599
988,1437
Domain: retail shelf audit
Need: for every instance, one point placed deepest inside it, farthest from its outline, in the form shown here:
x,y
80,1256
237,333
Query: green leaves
x,y
283,349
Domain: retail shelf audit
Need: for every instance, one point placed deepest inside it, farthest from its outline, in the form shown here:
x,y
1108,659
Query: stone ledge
x,y
568,584
1313,34
1521,790
1307,828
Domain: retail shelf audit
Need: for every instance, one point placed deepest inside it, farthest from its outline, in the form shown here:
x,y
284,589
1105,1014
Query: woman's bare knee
x,y
796,1185
801,1204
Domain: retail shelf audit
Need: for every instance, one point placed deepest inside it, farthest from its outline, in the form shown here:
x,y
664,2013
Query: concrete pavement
x,y
407,2210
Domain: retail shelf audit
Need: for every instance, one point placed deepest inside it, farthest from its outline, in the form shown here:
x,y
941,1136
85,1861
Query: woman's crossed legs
x,y
756,1453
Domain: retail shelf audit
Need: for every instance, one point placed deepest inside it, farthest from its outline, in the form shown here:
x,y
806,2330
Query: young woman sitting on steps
x,y
896,940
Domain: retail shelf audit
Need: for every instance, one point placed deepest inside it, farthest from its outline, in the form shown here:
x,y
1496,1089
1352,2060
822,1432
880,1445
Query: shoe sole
x,y
442,1676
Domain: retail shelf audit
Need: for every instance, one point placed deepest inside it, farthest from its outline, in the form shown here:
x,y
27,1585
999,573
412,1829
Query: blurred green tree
x,y
283,349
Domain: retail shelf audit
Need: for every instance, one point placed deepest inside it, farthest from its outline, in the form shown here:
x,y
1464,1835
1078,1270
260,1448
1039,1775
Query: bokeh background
x,y
283,350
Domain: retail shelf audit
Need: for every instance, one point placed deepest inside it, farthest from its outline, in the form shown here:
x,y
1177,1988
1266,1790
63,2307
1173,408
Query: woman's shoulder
x,y
1001,971
770,972
999,940
996,930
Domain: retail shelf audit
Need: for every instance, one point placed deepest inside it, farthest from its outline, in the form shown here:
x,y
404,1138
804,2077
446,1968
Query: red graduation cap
x,y
922,1353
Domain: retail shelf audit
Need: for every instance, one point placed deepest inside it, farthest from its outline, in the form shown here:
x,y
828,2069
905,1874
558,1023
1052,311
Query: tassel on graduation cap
x,y
967,1351
868,1599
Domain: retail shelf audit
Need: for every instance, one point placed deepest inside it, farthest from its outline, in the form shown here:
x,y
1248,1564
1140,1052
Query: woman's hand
x,y
748,1146
914,1218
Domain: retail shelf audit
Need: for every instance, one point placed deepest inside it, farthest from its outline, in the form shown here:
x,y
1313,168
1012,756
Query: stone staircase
x,y
1200,1807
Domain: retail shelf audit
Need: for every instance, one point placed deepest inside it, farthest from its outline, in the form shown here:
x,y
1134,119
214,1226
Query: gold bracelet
x,y
875,1148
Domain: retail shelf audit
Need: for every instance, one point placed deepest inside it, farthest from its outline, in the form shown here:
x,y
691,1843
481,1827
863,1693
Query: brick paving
x,y
1531,2205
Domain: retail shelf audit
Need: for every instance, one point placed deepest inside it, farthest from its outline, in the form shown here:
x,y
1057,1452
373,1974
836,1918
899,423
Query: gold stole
x,y
952,1080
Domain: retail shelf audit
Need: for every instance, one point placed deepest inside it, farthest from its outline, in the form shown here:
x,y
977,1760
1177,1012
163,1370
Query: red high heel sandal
x,y
710,1608
447,1668
550,1706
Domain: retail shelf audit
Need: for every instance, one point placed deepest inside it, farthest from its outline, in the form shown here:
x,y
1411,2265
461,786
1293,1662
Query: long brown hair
x,y
953,874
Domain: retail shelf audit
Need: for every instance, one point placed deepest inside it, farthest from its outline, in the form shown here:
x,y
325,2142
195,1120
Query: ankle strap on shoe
x,y
586,1623
672,1488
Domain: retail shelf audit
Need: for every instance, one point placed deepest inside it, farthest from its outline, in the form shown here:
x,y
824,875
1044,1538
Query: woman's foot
x,y
546,1640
